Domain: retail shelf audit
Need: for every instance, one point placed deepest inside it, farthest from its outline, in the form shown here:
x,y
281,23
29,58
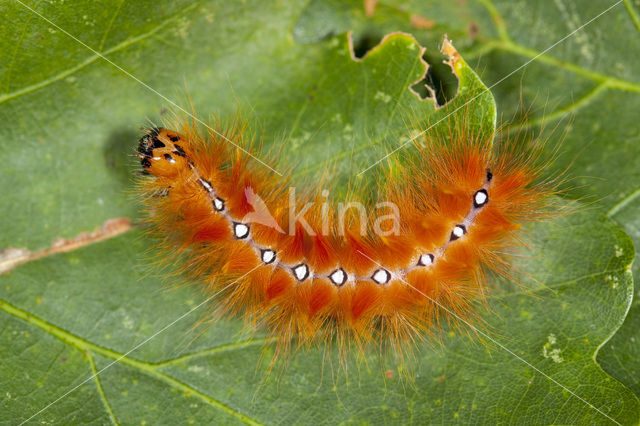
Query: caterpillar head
x,y
161,153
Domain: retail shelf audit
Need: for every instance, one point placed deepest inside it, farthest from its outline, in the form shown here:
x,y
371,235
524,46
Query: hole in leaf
x,y
363,43
440,79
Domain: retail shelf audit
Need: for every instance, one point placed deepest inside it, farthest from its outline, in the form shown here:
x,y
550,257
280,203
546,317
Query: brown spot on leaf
x,y
421,23
370,7
12,257
473,30
451,52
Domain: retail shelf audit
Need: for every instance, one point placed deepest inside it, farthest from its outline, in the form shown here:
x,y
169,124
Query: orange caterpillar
x,y
457,208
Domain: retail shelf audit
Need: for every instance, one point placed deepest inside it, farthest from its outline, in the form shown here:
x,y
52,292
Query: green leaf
x,y
71,122
584,91
587,86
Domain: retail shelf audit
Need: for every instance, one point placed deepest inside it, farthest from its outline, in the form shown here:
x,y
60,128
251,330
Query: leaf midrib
x,y
505,42
151,369
70,71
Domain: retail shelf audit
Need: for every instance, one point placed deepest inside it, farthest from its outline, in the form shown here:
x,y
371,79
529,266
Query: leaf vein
x,y
569,66
565,110
632,13
623,203
70,71
497,19
15,52
553,286
103,397
151,370
108,29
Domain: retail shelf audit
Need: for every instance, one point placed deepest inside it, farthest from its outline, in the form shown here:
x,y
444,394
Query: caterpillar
x,y
316,275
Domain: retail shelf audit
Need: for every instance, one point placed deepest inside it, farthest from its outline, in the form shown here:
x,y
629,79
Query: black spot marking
x,y
145,162
453,233
179,151
174,138
205,184
157,143
489,175
168,157
480,198
147,142
145,147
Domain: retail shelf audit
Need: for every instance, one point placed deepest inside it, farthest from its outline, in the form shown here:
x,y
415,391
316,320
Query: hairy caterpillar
x,y
311,274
